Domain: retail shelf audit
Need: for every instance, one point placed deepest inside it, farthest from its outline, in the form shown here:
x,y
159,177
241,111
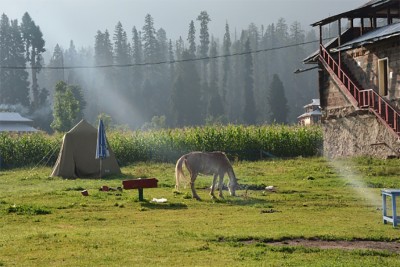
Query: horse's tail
x,y
179,171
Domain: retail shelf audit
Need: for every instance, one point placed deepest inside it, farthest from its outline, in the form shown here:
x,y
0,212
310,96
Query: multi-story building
x,y
359,80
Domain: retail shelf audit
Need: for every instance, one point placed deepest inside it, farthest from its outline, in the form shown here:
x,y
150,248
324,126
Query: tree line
x,y
143,79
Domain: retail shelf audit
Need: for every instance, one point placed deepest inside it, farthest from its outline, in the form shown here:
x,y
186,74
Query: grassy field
x,y
45,221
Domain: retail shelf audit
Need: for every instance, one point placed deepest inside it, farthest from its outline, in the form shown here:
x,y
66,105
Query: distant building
x,y
14,122
312,114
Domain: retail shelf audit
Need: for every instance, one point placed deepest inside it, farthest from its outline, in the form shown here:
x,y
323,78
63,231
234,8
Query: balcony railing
x,y
364,98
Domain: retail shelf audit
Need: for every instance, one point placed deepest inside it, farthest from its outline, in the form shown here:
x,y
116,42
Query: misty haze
x,y
137,74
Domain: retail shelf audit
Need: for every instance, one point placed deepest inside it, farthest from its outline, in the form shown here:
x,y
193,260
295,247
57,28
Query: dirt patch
x,y
339,244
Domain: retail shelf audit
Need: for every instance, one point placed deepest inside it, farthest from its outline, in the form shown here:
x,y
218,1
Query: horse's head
x,y
233,184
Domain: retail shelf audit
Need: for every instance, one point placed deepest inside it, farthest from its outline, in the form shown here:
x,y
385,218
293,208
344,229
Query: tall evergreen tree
x,y
162,81
34,47
57,61
122,57
19,77
137,57
235,84
121,47
204,37
192,40
277,101
71,59
215,106
249,112
149,40
179,48
13,82
103,56
185,99
226,46
204,19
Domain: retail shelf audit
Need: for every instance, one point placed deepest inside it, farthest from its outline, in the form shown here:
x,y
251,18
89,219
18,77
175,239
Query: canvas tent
x,y
77,155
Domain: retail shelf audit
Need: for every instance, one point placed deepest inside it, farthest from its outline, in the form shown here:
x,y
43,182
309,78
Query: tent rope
x,y
52,151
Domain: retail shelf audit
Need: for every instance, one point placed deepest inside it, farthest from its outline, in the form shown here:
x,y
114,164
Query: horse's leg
x,y
221,184
213,186
193,177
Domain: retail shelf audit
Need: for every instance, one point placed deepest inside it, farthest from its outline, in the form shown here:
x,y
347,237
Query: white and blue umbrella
x,y
101,145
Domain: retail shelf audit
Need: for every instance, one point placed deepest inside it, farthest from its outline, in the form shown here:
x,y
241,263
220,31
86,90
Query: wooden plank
x,y
140,183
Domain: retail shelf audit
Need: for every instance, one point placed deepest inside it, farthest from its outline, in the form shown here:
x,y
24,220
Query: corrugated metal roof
x,y
12,116
365,10
16,127
388,31
314,102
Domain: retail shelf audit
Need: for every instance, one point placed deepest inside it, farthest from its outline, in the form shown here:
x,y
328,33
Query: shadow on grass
x,y
165,206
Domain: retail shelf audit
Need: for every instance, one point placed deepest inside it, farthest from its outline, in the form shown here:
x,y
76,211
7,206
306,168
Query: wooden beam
x,y
362,26
339,44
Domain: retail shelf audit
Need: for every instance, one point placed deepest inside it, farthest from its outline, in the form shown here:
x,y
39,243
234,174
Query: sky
x,y
79,20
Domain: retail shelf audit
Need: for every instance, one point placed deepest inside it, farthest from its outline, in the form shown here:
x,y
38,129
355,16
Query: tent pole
x,y
100,166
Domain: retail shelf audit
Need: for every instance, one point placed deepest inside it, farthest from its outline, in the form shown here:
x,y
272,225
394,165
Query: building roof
x,y
12,117
373,36
373,8
310,114
14,122
15,127
314,102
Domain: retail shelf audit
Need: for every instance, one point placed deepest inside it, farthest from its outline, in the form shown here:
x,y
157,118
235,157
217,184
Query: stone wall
x,y
349,131
359,134
363,64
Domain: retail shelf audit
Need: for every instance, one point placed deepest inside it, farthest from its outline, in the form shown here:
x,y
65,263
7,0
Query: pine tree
x,y
215,106
179,48
122,57
185,100
19,77
249,112
204,37
13,82
103,56
149,40
192,40
70,59
121,47
57,61
277,101
204,19
137,57
162,79
34,47
226,60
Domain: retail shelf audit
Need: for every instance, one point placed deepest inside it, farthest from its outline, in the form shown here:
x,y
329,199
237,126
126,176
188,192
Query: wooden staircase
x,y
359,97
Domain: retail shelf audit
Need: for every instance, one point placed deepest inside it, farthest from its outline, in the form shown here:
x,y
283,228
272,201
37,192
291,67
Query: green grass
x,y
45,221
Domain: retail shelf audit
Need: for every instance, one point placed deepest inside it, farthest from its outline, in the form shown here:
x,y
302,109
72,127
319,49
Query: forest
x,y
136,77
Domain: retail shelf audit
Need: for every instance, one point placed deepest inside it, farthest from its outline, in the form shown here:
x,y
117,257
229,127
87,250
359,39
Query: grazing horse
x,y
208,163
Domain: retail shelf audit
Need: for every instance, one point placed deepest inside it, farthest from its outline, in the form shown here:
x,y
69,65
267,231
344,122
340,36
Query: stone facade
x,y
363,65
359,134
349,131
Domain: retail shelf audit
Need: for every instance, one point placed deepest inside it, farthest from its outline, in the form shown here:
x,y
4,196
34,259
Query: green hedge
x,y
241,142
